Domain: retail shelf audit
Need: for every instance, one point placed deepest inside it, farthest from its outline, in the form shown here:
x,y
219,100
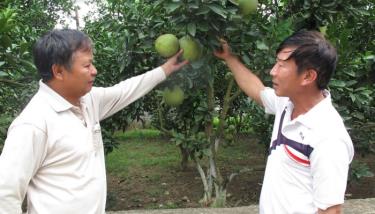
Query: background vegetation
x,y
124,33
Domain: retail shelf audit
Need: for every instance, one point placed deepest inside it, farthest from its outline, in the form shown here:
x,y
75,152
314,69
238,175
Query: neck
x,y
305,102
64,93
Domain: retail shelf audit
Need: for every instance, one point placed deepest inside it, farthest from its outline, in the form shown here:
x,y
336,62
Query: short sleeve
x,y
329,167
269,100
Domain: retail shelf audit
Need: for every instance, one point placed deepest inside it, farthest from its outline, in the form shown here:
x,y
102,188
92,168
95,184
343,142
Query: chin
x,y
85,92
279,94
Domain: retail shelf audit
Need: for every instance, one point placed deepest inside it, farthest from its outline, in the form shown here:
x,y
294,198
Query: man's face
x,y
80,79
284,74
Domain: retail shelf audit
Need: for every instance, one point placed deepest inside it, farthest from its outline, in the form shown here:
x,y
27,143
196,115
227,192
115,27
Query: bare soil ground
x,y
183,189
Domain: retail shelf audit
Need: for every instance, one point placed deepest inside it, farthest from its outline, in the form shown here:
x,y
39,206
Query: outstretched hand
x,y
172,64
225,52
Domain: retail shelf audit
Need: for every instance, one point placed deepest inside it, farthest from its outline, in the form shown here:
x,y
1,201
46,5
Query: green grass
x,y
145,149
145,160
238,151
141,153
138,134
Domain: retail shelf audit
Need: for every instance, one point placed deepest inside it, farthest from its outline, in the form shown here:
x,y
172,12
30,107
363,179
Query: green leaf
x,y
203,10
261,45
193,5
358,115
28,64
351,83
2,63
197,64
109,49
3,74
171,7
246,59
352,97
337,83
235,2
202,27
350,73
192,28
369,57
218,10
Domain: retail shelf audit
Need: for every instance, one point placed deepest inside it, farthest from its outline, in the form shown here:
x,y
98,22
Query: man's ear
x,y
309,76
57,71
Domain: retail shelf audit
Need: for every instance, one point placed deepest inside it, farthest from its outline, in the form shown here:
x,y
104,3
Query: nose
x,y
94,72
274,70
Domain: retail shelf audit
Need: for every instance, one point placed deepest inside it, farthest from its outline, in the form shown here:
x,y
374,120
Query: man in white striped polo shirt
x,y
310,149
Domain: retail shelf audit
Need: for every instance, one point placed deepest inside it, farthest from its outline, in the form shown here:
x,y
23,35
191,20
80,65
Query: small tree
x,y
21,23
210,93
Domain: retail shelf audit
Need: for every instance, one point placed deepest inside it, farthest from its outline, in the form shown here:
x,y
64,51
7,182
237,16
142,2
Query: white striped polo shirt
x,y
308,160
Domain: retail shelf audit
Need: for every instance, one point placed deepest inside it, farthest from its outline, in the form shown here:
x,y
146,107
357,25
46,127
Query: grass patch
x,y
144,171
144,150
138,134
137,155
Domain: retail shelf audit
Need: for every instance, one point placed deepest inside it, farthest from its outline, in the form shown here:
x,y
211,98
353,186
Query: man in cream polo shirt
x,y
310,149
54,149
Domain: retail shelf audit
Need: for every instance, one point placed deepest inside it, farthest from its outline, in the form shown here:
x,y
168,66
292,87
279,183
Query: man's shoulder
x,y
34,114
332,129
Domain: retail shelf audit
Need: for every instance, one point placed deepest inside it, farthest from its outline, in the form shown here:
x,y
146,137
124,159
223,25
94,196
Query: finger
x,y
182,64
216,53
219,52
225,47
222,41
179,53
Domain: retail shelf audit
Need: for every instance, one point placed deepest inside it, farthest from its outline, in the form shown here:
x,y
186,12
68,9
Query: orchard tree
x,y
202,121
200,107
124,39
191,123
21,23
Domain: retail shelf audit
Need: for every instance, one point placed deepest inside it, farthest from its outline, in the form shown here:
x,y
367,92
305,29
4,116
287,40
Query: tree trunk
x,y
184,157
220,199
207,192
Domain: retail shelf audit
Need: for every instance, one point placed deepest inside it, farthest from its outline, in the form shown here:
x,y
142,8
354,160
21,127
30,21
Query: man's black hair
x,y
312,51
57,47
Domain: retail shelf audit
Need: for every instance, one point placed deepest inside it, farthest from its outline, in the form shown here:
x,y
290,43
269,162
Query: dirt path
x,y
353,206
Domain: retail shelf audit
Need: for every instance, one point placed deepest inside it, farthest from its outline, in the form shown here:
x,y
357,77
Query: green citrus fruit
x,y
167,45
173,97
247,6
192,49
323,30
215,121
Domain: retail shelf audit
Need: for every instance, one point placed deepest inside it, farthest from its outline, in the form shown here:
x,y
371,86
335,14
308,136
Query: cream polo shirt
x,y
56,157
308,160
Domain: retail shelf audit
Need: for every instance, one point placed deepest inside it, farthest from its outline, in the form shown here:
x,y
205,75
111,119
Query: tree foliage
x,y
209,90
124,35
18,32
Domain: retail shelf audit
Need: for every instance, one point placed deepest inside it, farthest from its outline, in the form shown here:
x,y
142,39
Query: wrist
x,y
166,70
231,58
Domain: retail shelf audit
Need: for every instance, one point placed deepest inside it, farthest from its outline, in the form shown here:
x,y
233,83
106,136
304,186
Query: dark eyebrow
x,y
279,59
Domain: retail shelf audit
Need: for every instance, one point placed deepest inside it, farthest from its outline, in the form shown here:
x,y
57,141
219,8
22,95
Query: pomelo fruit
x,y
173,97
167,45
192,49
247,6
323,30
